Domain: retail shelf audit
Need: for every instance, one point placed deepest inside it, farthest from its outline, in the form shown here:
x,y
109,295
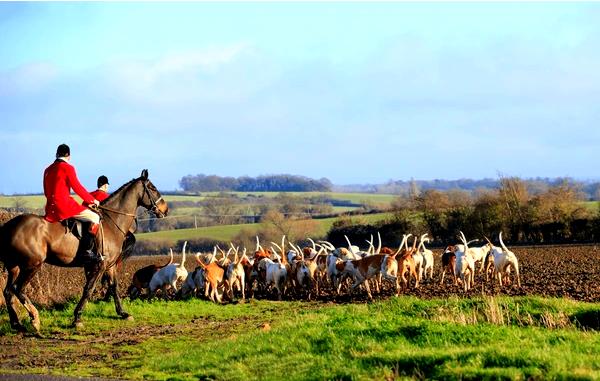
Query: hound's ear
x,y
144,175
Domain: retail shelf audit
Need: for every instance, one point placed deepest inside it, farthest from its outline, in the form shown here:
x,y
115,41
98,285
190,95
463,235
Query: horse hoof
x,y
128,317
77,325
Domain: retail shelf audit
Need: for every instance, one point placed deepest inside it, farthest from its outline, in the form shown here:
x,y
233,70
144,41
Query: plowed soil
x,y
571,271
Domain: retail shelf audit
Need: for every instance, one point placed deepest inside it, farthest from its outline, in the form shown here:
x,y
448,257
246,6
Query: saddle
x,y
74,226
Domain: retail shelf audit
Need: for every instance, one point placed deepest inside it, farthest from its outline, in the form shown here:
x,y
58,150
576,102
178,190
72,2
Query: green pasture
x,y
227,232
592,205
353,197
402,337
242,209
38,201
31,202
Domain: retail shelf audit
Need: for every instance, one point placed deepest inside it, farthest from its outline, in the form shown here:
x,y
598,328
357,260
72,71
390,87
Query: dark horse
x,y
27,241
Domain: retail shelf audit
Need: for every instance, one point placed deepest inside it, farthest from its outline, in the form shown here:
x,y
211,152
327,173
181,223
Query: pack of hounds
x,y
320,267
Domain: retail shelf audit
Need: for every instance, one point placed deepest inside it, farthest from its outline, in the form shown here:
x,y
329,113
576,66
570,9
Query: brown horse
x,y
27,241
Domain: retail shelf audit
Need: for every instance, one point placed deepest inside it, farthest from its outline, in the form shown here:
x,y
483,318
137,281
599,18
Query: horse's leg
x,y
107,282
23,280
92,272
113,289
11,301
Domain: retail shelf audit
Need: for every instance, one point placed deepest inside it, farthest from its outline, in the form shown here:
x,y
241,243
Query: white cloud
x,y
177,77
27,79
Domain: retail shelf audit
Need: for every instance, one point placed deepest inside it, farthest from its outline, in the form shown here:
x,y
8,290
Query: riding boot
x,y
88,243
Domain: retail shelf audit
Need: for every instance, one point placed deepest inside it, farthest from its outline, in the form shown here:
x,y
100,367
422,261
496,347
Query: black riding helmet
x,y
63,150
102,180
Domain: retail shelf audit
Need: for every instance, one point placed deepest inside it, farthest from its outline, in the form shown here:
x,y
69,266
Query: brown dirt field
x,y
553,271
571,271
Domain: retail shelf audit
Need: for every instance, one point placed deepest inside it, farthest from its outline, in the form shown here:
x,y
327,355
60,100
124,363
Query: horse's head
x,y
151,198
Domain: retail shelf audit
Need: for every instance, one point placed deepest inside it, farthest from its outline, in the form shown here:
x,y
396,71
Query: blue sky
x,y
356,92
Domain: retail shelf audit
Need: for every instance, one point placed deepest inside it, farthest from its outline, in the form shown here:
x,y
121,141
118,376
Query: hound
x,y
335,272
275,274
418,260
142,277
257,275
194,283
465,264
427,257
448,263
169,275
214,277
479,254
283,259
406,262
372,266
235,276
504,259
305,270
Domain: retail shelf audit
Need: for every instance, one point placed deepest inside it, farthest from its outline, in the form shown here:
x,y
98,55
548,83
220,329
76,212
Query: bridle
x,y
154,208
154,203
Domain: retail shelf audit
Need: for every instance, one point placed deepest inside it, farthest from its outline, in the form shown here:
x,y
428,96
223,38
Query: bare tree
x,y
221,210
275,225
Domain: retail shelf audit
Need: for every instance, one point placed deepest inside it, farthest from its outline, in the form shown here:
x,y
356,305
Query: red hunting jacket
x,y
59,179
100,195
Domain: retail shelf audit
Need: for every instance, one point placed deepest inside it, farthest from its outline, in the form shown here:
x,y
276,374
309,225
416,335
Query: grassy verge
x,y
495,338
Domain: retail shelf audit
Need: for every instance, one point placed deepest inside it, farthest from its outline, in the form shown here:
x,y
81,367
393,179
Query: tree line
x,y
590,190
558,214
266,183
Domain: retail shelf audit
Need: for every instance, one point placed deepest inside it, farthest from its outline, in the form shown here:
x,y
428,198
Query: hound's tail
x,y
182,264
170,259
502,243
199,261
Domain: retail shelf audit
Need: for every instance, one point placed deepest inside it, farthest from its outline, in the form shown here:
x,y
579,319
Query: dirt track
x,y
557,271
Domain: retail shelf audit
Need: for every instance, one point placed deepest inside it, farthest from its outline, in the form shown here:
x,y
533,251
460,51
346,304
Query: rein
x,y
106,208
116,211
117,225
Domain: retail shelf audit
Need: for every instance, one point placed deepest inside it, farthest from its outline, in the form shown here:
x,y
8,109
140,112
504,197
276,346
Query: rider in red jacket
x,y
59,179
101,193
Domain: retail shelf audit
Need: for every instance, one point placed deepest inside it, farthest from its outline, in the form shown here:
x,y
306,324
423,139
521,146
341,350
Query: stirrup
x,y
92,256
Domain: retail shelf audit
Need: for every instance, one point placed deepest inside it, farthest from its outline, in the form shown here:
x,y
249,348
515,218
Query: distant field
x,y
227,232
356,198
33,202
592,205
38,201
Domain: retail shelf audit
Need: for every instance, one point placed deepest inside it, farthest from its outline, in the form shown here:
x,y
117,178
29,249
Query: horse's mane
x,y
113,194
